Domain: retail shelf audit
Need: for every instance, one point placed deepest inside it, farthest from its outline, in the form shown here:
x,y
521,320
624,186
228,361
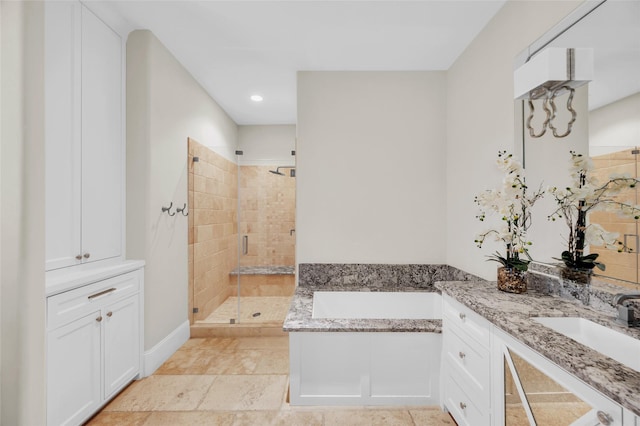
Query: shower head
x,y
276,172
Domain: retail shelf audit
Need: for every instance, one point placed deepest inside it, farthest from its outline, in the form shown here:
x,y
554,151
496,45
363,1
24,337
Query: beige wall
x,y
480,120
213,228
267,216
165,106
267,145
22,212
614,126
371,162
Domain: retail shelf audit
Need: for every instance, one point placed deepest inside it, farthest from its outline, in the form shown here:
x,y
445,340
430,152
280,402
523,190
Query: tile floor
x,y
272,309
238,381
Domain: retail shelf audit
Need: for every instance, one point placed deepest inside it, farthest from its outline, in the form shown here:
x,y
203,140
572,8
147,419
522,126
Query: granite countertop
x,y
264,270
300,318
513,313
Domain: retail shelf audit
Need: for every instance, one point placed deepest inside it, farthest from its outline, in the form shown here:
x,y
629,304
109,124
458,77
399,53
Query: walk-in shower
x,y
241,248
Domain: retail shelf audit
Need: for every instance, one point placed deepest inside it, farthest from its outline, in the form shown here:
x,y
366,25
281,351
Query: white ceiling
x,y
239,48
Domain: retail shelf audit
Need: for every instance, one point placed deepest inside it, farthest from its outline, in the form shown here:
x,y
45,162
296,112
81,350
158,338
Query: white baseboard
x,y
154,357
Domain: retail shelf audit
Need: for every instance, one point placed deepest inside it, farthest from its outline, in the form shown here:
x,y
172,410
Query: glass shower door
x,y
266,239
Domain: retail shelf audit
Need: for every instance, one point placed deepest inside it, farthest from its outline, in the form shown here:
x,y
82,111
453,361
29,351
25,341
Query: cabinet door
x,y
102,168
62,133
535,391
73,371
122,343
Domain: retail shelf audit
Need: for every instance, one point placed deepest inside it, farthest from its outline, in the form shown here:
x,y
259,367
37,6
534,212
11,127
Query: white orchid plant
x,y
586,194
512,202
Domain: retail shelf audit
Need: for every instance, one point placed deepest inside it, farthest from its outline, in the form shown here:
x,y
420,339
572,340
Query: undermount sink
x,y
621,347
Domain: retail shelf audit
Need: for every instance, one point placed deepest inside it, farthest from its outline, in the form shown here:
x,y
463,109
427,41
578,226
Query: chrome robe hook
x,y
181,210
168,210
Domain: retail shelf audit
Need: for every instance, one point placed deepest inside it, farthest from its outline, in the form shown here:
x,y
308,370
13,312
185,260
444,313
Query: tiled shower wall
x,y
213,230
267,205
619,265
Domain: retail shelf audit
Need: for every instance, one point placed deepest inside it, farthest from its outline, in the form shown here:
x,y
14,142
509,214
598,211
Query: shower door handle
x,y
245,244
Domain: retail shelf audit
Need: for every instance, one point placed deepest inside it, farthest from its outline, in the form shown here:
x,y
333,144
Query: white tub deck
x,y
377,305
396,365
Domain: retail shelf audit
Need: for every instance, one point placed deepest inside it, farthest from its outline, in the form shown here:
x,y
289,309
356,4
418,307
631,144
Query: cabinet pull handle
x,y
462,315
109,314
101,293
79,257
461,355
99,319
463,405
87,255
604,418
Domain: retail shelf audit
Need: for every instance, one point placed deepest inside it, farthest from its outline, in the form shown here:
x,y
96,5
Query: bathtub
x,y
364,348
377,305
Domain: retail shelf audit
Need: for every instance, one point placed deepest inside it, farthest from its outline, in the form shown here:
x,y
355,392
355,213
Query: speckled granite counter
x,y
264,270
514,314
300,313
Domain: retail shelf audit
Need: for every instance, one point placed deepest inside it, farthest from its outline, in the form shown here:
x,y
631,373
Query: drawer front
x,y
464,409
471,361
65,307
464,318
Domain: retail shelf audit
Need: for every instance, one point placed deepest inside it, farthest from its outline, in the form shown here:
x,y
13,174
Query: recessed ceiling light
x,y
256,98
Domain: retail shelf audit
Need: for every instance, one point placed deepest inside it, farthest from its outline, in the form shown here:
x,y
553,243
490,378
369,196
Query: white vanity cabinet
x,y
83,137
466,364
94,345
531,381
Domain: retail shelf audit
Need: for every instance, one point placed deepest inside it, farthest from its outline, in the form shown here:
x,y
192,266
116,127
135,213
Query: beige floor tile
x,y
431,417
273,362
278,418
270,343
163,393
367,417
106,418
190,418
212,343
233,393
236,362
187,362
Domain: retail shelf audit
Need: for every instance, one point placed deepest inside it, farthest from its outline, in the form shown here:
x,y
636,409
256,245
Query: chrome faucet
x,y
625,313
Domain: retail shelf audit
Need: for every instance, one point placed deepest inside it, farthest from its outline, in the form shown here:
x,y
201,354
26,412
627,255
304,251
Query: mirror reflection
x,y
545,401
607,129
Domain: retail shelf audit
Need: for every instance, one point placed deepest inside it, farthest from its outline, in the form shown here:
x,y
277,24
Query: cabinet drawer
x,y
471,361
65,307
464,318
464,409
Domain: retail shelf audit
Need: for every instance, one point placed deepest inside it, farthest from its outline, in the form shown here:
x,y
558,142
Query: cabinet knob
x,y
87,255
462,315
99,319
109,314
461,355
79,257
463,405
604,418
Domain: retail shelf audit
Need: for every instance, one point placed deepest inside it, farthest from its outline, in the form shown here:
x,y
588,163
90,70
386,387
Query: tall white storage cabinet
x,y
84,148
94,297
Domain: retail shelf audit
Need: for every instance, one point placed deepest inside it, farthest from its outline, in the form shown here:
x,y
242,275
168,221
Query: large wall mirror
x,y
607,128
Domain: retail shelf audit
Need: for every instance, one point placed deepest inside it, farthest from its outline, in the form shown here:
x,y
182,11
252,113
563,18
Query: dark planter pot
x,y
512,280
579,276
